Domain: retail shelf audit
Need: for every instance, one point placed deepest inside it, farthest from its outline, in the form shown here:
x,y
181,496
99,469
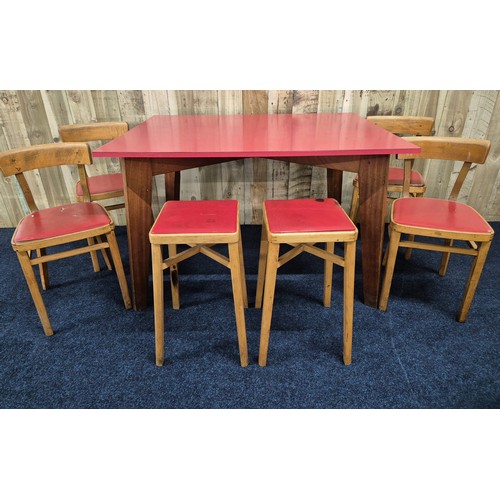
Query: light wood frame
x,y
270,260
198,243
16,162
468,151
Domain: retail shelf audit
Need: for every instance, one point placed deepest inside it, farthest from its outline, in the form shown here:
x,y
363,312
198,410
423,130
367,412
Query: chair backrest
x,y
460,149
404,125
95,131
20,160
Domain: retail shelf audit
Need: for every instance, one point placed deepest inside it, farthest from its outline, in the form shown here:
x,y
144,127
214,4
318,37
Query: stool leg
x,y
261,274
267,307
327,293
349,268
238,295
174,278
157,263
242,272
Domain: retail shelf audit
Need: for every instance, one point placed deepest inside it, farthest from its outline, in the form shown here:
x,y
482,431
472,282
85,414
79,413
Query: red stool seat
x,y
59,221
99,184
445,215
309,215
197,217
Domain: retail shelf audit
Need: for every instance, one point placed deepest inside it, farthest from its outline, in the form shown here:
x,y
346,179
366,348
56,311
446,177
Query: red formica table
x,y
338,142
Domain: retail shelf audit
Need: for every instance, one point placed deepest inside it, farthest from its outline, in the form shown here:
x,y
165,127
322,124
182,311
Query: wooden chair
x,y
96,187
399,125
302,224
200,225
443,219
57,225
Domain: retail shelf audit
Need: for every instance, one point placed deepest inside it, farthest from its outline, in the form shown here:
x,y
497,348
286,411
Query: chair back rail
x,y
404,125
20,160
88,132
468,151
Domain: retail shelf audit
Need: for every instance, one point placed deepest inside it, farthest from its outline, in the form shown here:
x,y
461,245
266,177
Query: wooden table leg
x,y
334,180
138,195
372,209
172,185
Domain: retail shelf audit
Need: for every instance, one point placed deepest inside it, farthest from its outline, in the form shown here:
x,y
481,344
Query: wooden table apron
x,y
371,169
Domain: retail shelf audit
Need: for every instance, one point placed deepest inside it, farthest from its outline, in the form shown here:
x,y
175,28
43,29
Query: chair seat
x,y
445,215
396,176
99,184
197,217
60,221
305,216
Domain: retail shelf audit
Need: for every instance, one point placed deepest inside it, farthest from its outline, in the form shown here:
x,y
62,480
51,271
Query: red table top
x,y
247,136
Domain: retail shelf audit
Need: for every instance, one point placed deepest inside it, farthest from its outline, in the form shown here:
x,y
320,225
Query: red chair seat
x,y
309,215
59,221
445,215
99,184
396,176
197,217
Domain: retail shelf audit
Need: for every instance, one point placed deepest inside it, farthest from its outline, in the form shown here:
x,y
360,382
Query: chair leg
x,y
408,251
411,237
239,301
120,273
93,256
267,307
349,269
261,274
328,274
445,258
174,277
105,254
34,289
353,215
475,274
389,269
157,264
44,271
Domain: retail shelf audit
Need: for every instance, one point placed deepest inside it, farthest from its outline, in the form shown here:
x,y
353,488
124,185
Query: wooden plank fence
x,y
32,117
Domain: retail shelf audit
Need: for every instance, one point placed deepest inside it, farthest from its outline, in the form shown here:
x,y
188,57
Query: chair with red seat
x,y
200,225
96,187
302,224
50,227
403,126
444,219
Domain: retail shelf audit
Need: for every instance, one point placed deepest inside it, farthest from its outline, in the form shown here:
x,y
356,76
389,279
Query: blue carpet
x,y
414,356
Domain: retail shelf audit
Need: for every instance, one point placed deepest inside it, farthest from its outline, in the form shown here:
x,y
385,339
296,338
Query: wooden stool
x,y
200,225
302,224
